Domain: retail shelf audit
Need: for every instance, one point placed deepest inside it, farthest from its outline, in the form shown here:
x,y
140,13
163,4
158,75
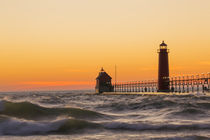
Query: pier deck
x,y
152,93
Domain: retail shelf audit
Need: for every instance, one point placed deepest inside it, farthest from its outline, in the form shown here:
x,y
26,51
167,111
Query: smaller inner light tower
x,y
163,69
104,82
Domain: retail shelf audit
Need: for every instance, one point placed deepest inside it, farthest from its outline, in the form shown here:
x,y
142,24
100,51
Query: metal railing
x,y
136,86
181,84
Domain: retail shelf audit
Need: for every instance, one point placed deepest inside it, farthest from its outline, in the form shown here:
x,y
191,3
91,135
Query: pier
x,y
180,84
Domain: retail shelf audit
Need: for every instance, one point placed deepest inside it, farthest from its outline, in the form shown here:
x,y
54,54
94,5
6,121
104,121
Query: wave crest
x,y
142,126
32,111
20,127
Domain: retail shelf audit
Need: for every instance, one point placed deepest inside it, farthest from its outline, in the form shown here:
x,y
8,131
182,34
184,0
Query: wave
x,y
204,105
72,126
193,137
160,127
138,104
191,113
32,111
23,127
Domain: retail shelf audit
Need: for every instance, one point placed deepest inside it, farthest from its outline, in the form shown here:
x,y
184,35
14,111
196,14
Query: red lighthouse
x,y
163,69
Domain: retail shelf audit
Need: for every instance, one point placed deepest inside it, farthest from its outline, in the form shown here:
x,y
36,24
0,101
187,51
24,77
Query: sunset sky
x,y
62,44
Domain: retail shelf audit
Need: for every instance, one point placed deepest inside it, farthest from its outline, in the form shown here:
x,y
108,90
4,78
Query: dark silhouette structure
x,y
104,82
180,84
163,69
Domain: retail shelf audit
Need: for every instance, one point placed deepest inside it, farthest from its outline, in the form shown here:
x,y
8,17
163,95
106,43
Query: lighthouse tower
x,y
163,69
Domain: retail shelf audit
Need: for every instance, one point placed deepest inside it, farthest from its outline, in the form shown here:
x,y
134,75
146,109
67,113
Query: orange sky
x,y
54,44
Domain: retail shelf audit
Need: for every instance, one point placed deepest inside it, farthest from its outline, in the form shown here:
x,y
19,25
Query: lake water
x,y
80,115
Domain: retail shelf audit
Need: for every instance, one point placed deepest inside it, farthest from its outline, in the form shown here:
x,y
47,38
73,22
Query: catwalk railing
x,y
181,84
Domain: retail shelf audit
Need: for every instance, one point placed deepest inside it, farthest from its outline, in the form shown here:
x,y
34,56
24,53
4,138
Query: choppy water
x,y
78,115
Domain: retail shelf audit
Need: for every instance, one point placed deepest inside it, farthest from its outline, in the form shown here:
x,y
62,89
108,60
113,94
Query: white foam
x,y
23,127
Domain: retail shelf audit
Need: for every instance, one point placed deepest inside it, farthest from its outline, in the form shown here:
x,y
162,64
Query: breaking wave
x,y
67,126
27,110
23,127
